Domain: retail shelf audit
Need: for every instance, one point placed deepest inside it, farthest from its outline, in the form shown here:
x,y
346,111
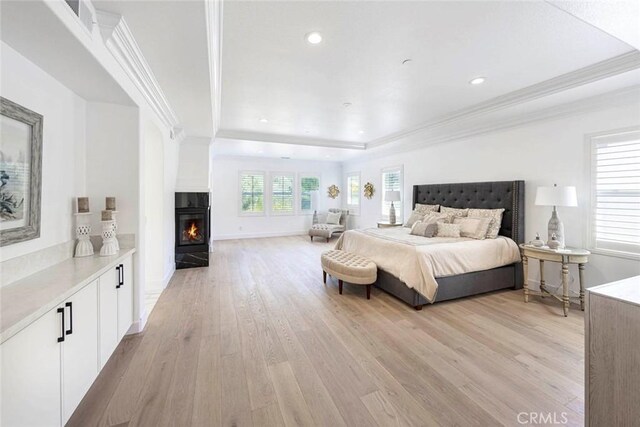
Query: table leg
x,y
525,271
565,288
542,282
581,278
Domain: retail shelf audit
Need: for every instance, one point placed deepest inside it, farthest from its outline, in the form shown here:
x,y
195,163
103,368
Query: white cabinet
x,y
31,374
49,365
116,307
80,347
108,285
125,298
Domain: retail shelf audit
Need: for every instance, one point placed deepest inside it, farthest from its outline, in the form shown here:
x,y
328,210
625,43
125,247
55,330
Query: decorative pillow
x,y
333,218
454,212
448,230
425,229
425,209
474,227
496,219
437,217
416,215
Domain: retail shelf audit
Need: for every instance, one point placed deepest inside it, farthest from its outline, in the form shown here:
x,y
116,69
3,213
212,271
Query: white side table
x,y
565,257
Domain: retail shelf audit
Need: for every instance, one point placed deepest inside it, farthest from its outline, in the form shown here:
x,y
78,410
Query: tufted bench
x,y
349,267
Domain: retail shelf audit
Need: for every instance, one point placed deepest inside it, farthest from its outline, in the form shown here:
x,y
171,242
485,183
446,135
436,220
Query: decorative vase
x,y
109,242
553,243
83,233
115,228
537,242
392,214
556,227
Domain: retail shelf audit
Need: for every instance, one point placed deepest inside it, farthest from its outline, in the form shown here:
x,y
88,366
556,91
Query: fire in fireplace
x,y
192,230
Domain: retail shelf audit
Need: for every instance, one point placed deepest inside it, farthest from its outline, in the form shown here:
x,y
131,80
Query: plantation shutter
x,y
282,199
353,193
391,181
307,185
616,193
252,192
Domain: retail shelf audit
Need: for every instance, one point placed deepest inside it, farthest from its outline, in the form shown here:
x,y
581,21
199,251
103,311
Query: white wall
x,y
194,165
541,153
112,162
63,147
226,221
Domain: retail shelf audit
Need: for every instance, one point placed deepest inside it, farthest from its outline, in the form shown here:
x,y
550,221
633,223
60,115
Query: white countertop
x,y
24,301
627,290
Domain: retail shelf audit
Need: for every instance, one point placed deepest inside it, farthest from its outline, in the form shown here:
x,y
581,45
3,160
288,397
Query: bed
x,y
507,274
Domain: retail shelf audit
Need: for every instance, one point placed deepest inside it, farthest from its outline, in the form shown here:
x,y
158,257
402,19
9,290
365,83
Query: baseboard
x,y
260,235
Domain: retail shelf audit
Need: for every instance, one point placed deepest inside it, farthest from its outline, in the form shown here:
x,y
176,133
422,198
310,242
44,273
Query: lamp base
x,y
556,227
392,214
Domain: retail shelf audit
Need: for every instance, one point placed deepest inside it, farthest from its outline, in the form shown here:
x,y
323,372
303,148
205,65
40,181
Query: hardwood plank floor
x,y
258,339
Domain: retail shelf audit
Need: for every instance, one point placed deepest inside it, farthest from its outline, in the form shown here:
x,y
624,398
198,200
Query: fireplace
x,y
192,230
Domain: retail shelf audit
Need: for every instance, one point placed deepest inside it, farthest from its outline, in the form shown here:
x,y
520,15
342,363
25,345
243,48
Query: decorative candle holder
x,y
83,233
109,242
115,228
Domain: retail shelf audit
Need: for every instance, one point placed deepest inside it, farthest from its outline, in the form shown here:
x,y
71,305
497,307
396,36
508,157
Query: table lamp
x,y
556,196
392,196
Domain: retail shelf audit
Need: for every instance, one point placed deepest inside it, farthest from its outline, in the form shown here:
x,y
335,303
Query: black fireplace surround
x,y
193,230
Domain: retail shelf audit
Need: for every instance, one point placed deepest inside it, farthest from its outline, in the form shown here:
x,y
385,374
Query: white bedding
x,y
417,261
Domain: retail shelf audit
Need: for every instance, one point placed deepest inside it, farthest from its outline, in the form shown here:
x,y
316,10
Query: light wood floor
x,y
257,339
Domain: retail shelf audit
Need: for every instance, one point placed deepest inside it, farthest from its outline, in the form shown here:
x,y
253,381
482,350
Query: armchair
x,y
322,229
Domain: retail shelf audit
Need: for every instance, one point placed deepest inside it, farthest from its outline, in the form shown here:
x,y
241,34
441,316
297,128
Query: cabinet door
x,y
80,348
30,374
108,314
125,299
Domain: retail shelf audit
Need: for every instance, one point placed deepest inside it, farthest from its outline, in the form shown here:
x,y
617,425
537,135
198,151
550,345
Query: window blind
x,y
252,192
391,181
353,192
307,185
616,193
282,193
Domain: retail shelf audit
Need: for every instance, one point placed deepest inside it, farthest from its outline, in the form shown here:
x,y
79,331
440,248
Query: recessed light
x,y
313,37
477,81
264,121
346,104
285,157
327,156
360,132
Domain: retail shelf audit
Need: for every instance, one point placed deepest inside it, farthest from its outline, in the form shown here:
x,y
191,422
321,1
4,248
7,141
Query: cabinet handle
x,y
61,310
121,274
70,305
119,282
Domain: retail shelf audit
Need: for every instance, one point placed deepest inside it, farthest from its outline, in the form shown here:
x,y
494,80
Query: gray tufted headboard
x,y
482,195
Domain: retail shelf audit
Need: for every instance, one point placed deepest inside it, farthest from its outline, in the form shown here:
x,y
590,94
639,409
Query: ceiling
x,y
173,37
270,72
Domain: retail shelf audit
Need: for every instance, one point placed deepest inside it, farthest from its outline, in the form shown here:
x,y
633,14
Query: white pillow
x,y
448,230
474,227
334,218
496,220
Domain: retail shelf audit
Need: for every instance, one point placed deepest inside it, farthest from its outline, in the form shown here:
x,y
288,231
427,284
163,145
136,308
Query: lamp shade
x,y
556,196
315,197
392,196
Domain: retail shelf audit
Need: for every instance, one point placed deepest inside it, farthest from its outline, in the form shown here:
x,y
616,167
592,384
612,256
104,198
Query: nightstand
x,y
563,256
386,224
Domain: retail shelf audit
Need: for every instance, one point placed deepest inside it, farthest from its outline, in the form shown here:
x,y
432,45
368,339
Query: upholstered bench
x,y
349,267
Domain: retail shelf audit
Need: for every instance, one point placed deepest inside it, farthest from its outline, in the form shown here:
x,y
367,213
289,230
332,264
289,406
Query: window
x,y
392,181
282,193
308,184
353,192
615,193
252,193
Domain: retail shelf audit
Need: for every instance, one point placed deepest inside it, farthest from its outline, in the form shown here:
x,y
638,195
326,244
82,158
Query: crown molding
x,y
610,67
286,139
213,15
461,130
120,42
